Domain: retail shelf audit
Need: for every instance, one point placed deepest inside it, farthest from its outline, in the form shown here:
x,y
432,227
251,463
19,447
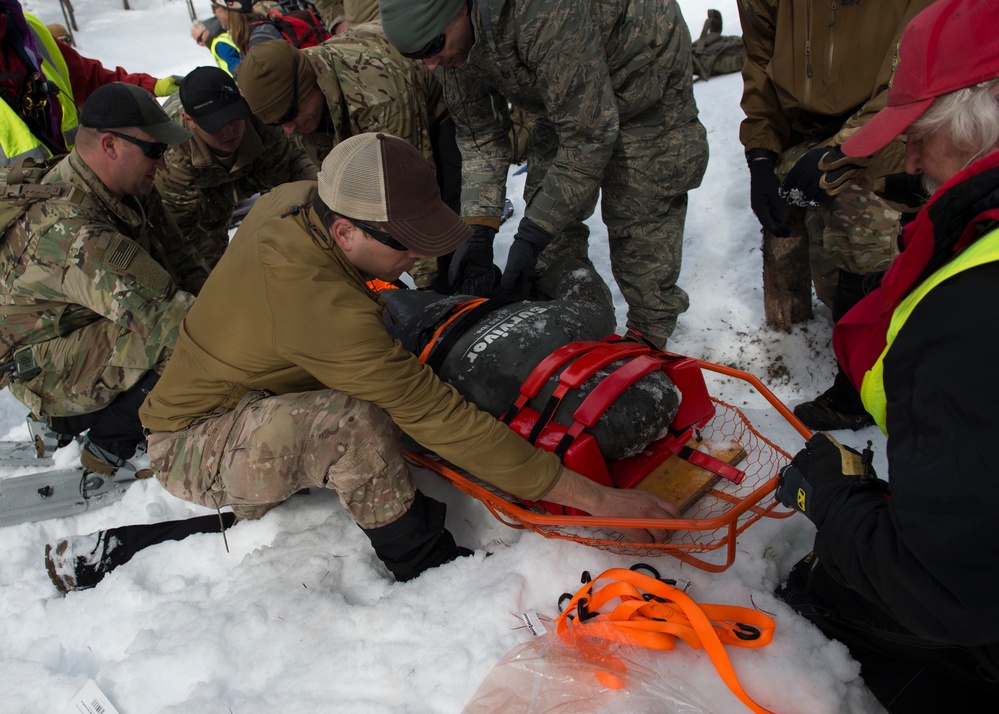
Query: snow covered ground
x,y
300,616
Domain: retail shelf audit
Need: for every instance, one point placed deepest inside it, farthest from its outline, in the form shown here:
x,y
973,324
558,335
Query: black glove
x,y
820,471
472,271
520,272
904,190
763,192
801,186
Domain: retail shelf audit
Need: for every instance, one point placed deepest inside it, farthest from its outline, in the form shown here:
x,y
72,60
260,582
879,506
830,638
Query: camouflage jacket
x,y
369,86
96,287
584,66
286,312
200,190
815,69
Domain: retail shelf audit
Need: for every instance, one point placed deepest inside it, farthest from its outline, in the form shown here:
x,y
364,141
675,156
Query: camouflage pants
x,y
855,232
269,447
85,370
644,205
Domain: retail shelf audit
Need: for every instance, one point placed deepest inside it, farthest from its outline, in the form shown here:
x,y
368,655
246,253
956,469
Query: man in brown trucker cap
x,y
285,377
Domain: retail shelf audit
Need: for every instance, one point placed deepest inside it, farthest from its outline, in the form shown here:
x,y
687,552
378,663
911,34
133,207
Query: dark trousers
x,y
116,427
908,674
136,538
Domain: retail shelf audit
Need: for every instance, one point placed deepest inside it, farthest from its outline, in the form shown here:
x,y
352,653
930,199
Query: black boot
x,y
416,541
840,406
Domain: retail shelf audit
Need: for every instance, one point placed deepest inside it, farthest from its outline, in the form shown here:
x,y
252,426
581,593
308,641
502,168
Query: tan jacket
x,y
816,67
280,313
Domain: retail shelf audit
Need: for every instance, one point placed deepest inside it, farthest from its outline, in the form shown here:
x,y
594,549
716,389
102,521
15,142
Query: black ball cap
x,y
119,105
212,99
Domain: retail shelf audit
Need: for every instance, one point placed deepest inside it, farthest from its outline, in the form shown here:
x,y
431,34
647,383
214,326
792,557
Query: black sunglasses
x,y
428,50
152,149
293,109
380,236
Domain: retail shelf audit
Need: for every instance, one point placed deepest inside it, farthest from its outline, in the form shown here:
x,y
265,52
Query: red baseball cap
x,y
950,45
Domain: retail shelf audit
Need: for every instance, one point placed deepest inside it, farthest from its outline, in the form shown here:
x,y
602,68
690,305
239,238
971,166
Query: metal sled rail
x,y
710,526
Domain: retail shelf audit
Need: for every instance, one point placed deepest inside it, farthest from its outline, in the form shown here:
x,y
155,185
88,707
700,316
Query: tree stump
x,y
787,277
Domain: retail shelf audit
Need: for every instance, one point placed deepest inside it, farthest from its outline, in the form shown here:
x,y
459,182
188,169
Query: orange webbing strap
x,y
378,285
652,614
459,310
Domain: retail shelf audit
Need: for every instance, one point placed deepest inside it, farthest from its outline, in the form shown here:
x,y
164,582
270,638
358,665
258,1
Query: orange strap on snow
x,y
459,310
637,609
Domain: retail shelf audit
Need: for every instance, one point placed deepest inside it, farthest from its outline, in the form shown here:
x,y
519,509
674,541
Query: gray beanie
x,y
411,24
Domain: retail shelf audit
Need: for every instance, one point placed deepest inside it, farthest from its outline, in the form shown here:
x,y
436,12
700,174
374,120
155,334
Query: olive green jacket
x,y
816,68
285,311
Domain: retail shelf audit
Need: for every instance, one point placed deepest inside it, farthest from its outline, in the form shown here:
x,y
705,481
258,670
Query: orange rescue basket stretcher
x,y
710,524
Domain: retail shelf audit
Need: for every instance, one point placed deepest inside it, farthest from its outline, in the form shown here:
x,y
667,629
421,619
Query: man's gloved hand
x,y
811,482
801,186
839,170
763,192
905,191
472,271
167,85
520,273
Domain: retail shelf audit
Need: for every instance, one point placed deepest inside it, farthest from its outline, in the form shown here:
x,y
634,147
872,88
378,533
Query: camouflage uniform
x,y
610,84
97,287
855,231
812,78
267,448
284,376
200,189
369,86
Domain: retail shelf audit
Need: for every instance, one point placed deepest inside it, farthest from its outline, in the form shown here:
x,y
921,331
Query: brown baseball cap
x,y
383,180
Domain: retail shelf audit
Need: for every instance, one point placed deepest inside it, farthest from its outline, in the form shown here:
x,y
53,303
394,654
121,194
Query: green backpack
x,y
714,53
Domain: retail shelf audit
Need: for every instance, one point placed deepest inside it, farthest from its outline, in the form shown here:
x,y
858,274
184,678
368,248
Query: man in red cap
x,y
286,378
905,573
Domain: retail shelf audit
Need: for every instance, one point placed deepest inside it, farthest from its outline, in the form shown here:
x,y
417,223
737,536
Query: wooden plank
x,y
682,483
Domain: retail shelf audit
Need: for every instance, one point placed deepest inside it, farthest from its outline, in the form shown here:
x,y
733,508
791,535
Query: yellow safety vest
x,y
872,389
225,39
16,138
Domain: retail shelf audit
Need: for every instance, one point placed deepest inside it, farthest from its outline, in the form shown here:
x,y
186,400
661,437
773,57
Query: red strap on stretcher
x,y
575,374
543,372
599,400
705,461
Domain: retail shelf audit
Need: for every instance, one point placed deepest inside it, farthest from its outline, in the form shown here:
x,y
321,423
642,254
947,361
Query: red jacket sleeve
x,y
86,75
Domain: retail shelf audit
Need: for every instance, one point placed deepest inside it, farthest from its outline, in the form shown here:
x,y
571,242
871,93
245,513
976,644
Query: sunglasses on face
x,y
152,149
293,109
428,50
380,236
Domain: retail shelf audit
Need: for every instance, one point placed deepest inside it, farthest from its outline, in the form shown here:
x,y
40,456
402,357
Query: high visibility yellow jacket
x,y
16,139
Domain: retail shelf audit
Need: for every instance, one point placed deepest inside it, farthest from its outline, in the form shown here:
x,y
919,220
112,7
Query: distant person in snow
x,y
905,573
